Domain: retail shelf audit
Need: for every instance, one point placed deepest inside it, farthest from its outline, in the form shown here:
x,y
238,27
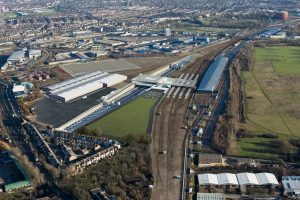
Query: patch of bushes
x,y
268,135
242,133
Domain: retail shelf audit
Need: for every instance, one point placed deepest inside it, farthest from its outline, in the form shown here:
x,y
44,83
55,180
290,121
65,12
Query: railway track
x,y
169,133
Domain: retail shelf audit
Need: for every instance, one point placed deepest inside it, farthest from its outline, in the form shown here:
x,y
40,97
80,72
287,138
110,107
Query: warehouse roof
x,y
208,179
111,78
213,74
35,52
266,179
239,179
291,184
19,88
271,31
227,179
74,80
17,55
210,196
247,179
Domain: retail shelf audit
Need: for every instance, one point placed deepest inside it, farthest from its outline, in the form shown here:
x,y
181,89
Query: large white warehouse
x,y
82,85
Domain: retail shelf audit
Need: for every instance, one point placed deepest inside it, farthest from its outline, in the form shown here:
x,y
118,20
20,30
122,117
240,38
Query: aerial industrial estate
x,y
160,100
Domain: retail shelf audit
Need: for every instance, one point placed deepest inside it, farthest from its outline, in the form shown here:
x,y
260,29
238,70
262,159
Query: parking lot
x,y
53,113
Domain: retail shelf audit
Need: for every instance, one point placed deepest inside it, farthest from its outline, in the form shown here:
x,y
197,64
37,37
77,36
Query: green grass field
x,y
285,60
9,15
130,119
273,100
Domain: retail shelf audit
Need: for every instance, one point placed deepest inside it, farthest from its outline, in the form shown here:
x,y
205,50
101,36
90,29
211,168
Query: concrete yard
x,y
104,65
50,112
121,65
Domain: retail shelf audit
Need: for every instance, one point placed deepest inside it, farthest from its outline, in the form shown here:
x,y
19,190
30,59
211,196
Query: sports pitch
x,y
131,119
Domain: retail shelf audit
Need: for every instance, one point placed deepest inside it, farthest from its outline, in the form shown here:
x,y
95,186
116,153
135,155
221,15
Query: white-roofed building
x,y
19,90
247,179
207,179
291,185
34,53
82,85
266,179
16,57
227,179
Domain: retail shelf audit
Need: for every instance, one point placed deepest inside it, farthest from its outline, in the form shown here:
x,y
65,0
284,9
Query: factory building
x,y
80,86
19,57
16,58
213,75
34,53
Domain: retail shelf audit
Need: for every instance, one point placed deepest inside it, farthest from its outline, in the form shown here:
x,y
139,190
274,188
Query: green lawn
x,y
130,119
9,15
285,60
272,89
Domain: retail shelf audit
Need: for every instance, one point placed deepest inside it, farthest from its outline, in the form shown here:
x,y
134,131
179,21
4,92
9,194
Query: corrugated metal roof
x,y
227,179
208,179
291,183
266,178
213,74
74,80
247,179
210,196
35,52
17,55
240,179
112,78
271,31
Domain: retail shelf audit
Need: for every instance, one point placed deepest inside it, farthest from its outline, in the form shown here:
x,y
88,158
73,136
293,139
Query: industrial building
x,y
270,32
82,85
19,90
240,179
34,53
16,58
213,75
291,186
19,57
210,160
